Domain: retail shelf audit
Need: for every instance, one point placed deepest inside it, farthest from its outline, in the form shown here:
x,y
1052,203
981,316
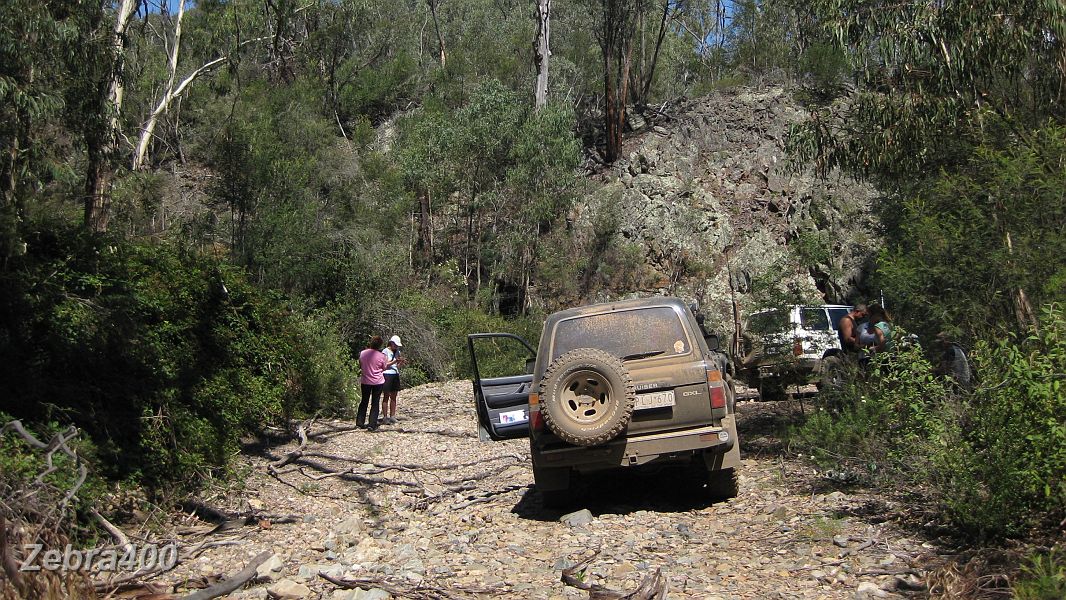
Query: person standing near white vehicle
x,y
392,379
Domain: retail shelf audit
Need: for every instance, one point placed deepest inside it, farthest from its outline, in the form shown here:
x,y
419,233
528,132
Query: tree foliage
x,y
936,76
966,241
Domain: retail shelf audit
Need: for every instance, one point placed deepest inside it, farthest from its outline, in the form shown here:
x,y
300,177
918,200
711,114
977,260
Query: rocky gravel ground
x,y
422,509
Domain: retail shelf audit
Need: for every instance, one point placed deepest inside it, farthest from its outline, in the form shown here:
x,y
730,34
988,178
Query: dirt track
x,y
476,527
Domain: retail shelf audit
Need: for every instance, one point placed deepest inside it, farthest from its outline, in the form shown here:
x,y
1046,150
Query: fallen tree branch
x,y
232,583
859,548
28,437
422,591
487,497
412,466
835,563
227,521
907,571
205,511
301,432
652,587
120,538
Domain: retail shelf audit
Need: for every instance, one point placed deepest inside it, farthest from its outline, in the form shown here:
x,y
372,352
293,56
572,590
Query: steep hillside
x,y
709,197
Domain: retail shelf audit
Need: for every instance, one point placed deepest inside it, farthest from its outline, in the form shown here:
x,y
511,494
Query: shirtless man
x,y
849,328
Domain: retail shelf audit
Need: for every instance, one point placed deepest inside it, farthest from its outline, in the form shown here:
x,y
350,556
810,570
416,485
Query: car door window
x,y
774,321
834,316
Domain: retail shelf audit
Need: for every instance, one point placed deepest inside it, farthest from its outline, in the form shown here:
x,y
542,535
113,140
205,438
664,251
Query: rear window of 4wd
x,y
640,333
773,321
814,318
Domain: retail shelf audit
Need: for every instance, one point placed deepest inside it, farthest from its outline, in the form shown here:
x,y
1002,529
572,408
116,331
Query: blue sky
x,y
172,6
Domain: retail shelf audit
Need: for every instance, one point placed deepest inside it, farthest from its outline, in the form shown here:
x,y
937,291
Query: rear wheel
x,y
722,484
833,373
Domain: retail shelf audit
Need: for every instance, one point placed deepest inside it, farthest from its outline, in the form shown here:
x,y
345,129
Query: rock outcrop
x,y
711,199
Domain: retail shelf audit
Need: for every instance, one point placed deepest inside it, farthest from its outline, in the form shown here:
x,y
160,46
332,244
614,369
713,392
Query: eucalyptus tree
x,y
615,24
103,125
946,90
173,88
37,43
934,75
542,51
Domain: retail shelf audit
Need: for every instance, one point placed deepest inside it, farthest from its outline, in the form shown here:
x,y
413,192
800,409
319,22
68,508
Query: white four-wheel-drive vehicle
x,y
612,386
788,345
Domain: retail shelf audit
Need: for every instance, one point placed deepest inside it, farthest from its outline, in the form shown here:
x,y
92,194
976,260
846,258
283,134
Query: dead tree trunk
x,y
542,51
424,243
615,35
436,27
164,104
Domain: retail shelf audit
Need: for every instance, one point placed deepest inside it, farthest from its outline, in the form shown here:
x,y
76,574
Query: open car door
x,y
501,387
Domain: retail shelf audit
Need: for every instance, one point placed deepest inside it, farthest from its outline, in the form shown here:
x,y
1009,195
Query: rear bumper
x,y
641,449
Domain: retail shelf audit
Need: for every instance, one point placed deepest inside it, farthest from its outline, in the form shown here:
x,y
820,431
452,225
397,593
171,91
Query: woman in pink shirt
x,y
373,364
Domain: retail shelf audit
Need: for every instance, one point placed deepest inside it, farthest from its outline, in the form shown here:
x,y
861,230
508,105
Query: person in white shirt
x,y
392,379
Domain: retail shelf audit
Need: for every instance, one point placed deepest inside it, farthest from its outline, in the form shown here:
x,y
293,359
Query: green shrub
x,y
1044,578
30,488
439,345
881,417
1003,461
164,357
993,457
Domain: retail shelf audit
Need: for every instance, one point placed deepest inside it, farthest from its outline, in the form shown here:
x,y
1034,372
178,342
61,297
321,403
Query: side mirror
x,y
712,341
530,364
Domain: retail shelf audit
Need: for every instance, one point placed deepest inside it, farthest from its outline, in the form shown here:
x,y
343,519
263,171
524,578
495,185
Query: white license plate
x,y
654,400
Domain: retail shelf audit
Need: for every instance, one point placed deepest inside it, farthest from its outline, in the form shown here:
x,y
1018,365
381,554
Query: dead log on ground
x,y
653,587
422,591
301,432
233,583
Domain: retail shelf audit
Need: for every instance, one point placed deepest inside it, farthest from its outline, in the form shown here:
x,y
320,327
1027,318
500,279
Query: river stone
x,y
577,518
371,594
270,569
311,571
287,589
868,589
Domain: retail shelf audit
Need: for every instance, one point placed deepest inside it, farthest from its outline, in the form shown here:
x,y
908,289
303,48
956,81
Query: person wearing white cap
x,y
392,379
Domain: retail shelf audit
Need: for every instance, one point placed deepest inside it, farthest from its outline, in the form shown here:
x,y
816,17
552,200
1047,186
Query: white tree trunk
x,y
168,92
102,149
543,51
164,104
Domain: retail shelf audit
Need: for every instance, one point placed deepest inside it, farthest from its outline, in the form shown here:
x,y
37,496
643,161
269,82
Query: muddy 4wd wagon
x,y
611,386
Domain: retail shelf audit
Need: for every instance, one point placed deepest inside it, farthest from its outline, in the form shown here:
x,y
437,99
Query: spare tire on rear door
x,y
587,397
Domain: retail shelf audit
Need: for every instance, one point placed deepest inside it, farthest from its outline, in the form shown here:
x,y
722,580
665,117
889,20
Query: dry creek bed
x,y
422,509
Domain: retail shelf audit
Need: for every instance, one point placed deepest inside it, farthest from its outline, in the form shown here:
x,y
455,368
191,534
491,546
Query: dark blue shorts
x,y
392,383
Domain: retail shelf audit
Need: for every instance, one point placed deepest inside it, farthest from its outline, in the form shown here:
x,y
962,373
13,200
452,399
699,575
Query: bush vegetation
x,y
993,458
1043,578
165,357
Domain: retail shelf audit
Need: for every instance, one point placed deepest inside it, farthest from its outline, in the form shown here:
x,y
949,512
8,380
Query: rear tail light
x,y
717,388
536,422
